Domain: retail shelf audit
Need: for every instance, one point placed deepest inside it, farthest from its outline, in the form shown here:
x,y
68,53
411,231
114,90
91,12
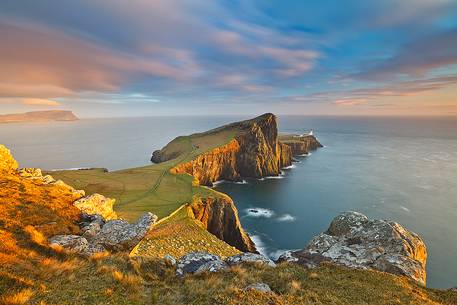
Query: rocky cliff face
x,y
301,145
254,152
355,241
220,217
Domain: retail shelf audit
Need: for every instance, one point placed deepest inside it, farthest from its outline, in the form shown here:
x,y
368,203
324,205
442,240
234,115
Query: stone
x,y
119,235
212,266
287,257
73,243
249,258
169,259
97,204
354,241
191,262
31,173
260,287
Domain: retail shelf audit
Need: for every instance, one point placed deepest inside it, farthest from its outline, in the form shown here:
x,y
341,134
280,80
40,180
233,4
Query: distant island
x,y
39,116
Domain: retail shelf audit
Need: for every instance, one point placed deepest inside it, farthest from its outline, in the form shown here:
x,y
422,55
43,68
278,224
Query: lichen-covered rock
x,y
220,217
355,241
169,259
198,262
118,235
7,162
74,243
260,287
30,172
249,258
97,204
212,266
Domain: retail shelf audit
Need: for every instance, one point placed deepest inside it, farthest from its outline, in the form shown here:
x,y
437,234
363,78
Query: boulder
x,y
74,243
97,204
355,241
249,258
118,235
212,266
169,259
260,287
31,173
195,262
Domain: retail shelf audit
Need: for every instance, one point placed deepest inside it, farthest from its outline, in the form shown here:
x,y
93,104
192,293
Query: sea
x,y
402,169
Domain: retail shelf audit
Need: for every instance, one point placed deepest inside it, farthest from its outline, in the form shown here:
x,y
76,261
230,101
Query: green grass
x,y
150,188
179,234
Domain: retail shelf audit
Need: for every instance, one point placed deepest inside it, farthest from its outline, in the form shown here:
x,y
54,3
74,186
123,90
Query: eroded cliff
x,y
300,144
254,151
220,217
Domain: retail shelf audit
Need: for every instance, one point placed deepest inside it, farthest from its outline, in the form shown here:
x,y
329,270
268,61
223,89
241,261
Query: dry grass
x,y
33,273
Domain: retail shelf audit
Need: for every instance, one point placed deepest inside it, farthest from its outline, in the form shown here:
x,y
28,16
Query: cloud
x,y
350,102
417,58
38,61
30,101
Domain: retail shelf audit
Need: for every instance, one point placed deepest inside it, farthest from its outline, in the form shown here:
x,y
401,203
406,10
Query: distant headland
x,y
39,116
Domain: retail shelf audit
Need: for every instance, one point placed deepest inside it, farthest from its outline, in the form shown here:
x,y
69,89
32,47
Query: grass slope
x,y
33,273
151,188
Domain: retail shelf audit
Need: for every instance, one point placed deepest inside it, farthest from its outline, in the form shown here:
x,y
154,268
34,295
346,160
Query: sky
x,y
113,58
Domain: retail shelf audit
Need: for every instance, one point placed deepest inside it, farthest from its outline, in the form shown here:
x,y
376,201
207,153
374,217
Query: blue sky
x,y
165,57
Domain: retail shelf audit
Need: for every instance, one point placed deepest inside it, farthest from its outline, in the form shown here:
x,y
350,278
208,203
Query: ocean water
x,y
401,169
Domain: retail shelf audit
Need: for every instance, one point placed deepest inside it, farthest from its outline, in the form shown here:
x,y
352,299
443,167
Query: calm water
x,y
399,169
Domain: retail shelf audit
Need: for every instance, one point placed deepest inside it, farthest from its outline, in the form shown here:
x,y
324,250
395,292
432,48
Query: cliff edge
x,y
254,150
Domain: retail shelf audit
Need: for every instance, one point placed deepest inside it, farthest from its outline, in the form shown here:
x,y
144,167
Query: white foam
x,y
303,155
259,212
290,166
274,177
241,182
286,218
218,182
405,209
259,245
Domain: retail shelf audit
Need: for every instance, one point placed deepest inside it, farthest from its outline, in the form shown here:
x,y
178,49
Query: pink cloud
x,y
41,62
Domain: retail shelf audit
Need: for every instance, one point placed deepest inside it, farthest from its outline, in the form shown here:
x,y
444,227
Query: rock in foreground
x,y
355,241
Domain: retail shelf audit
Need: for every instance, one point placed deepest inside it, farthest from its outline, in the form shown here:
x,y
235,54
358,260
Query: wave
x,y
405,209
259,212
286,218
260,246
290,166
215,183
241,182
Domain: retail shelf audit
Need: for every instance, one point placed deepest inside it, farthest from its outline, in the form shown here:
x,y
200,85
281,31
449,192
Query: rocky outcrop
x,y
255,151
355,241
7,163
249,258
97,204
220,217
198,262
99,236
301,144
118,235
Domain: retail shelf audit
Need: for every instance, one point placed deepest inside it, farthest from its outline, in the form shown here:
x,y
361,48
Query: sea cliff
x,y
255,151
